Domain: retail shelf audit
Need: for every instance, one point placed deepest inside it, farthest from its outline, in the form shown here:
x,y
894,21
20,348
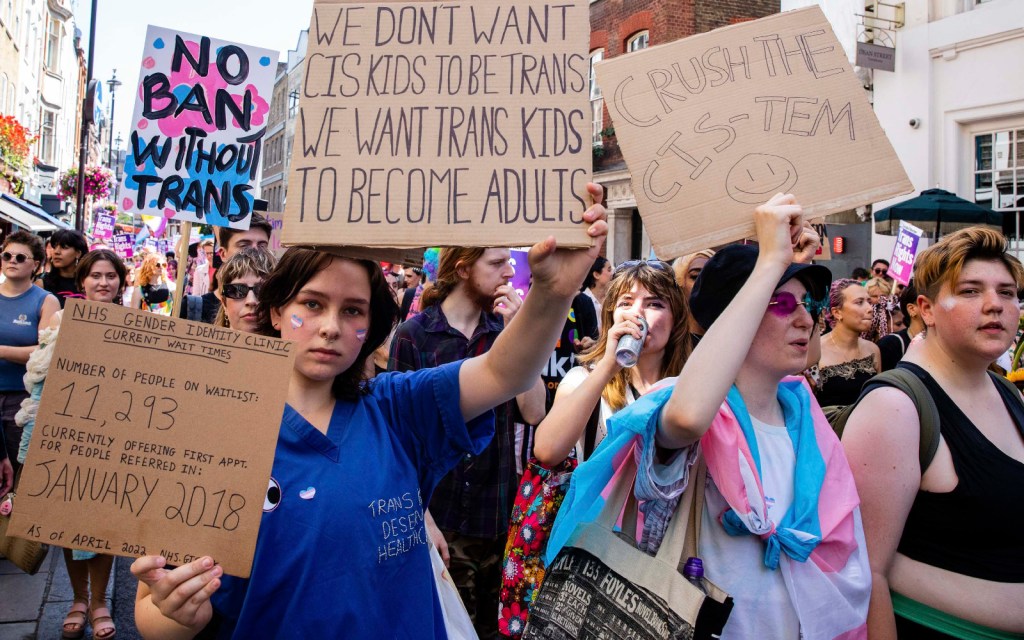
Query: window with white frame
x,y
596,101
638,41
999,177
47,138
52,54
3,90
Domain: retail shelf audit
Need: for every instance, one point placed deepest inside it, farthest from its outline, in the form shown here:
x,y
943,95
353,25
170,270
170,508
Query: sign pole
x,y
181,253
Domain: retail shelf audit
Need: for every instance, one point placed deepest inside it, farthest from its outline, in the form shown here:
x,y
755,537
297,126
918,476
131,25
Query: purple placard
x,y
103,228
521,279
901,266
124,245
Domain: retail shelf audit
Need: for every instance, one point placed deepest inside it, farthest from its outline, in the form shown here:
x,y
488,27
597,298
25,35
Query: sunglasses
x,y
881,272
632,264
14,257
240,291
784,303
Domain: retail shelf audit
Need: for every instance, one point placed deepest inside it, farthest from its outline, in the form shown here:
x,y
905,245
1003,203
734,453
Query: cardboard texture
x,y
901,267
713,125
198,128
431,124
154,436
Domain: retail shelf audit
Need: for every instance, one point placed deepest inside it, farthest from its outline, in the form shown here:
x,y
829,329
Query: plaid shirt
x,y
475,498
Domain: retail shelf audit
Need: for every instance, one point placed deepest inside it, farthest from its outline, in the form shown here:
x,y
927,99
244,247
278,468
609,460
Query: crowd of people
x,y
430,391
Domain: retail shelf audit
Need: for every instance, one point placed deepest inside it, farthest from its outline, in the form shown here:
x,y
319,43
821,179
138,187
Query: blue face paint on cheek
x,y
296,321
361,335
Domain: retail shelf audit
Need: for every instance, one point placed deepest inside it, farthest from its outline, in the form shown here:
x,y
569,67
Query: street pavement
x,y
34,607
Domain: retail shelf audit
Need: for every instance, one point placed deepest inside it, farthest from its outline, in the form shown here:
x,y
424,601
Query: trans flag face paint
x,y
361,335
296,321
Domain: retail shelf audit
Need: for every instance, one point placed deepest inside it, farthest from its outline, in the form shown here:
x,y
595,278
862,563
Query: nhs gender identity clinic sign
x,y
198,130
713,125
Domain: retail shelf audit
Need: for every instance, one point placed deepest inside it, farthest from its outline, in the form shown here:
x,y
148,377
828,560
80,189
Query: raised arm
x,y
513,363
712,367
881,439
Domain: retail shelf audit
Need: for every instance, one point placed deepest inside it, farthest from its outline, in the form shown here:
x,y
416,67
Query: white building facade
x,y
954,106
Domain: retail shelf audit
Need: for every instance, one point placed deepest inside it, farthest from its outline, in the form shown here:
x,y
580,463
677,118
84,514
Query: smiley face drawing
x,y
759,176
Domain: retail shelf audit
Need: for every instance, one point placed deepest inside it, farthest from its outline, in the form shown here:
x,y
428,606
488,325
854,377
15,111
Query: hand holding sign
x,y
562,270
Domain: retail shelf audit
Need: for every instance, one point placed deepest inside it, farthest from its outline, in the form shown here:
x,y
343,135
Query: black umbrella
x,y
935,211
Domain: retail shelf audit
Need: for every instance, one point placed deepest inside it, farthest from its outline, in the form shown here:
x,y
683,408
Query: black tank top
x,y
975,529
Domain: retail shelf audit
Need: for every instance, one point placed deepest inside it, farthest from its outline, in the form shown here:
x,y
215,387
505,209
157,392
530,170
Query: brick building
x,y
618,27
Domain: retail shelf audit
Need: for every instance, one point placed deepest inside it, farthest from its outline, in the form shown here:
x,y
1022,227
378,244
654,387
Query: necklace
x,y
844,352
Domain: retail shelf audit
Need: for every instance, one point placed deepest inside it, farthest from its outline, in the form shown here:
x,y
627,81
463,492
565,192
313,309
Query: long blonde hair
x,y
659,279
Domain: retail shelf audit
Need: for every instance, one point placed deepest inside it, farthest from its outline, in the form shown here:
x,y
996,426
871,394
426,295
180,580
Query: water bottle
x,y
693,571
628,350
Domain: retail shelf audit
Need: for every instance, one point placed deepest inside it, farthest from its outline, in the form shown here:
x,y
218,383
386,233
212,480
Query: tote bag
x,y
27,555
601,586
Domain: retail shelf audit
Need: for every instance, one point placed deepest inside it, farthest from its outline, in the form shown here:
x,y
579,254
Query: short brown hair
x,y
34,244
448,263
942,262
87,262
297,267
224,234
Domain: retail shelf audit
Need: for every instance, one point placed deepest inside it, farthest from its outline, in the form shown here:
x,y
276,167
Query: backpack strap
x,y
913,386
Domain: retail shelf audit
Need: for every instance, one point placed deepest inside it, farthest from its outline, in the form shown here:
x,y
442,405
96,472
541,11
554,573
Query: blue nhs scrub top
x,y
342,550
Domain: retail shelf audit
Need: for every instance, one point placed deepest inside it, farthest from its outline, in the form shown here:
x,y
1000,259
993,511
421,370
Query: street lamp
x,y
117,170
113,84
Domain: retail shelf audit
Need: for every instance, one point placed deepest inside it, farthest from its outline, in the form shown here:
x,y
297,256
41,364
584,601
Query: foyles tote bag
x,y
601,586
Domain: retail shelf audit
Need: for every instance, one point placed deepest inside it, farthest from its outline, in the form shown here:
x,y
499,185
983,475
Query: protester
x,y
67,247
893,346
465,309
414,282
847,360
880,269
860,274
596,285
638,289
780,524
373,452
204,308
152,289
877,288
101,276
689,267
944,540
578,335
128,291
24,310
241,279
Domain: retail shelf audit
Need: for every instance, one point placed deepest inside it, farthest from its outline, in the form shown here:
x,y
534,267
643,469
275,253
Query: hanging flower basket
x,y
97,183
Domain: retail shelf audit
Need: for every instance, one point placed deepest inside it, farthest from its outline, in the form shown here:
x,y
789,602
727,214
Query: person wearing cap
x,y
780,529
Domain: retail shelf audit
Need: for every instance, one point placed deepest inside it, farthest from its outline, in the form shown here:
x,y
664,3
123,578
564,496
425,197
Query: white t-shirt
x,y
736,563
574,378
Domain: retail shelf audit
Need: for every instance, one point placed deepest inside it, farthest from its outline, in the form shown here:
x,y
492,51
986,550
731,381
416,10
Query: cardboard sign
x,y
199,124
154,436
901,267
103,227
124,245
437,124
718,123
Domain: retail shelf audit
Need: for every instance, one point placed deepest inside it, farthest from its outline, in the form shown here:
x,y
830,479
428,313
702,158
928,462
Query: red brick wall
x,y
612,22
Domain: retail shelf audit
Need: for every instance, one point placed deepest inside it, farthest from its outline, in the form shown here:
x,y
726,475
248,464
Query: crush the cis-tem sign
x,y
154,436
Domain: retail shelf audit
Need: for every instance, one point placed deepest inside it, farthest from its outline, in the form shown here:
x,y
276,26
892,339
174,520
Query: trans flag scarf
x,y
819,542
